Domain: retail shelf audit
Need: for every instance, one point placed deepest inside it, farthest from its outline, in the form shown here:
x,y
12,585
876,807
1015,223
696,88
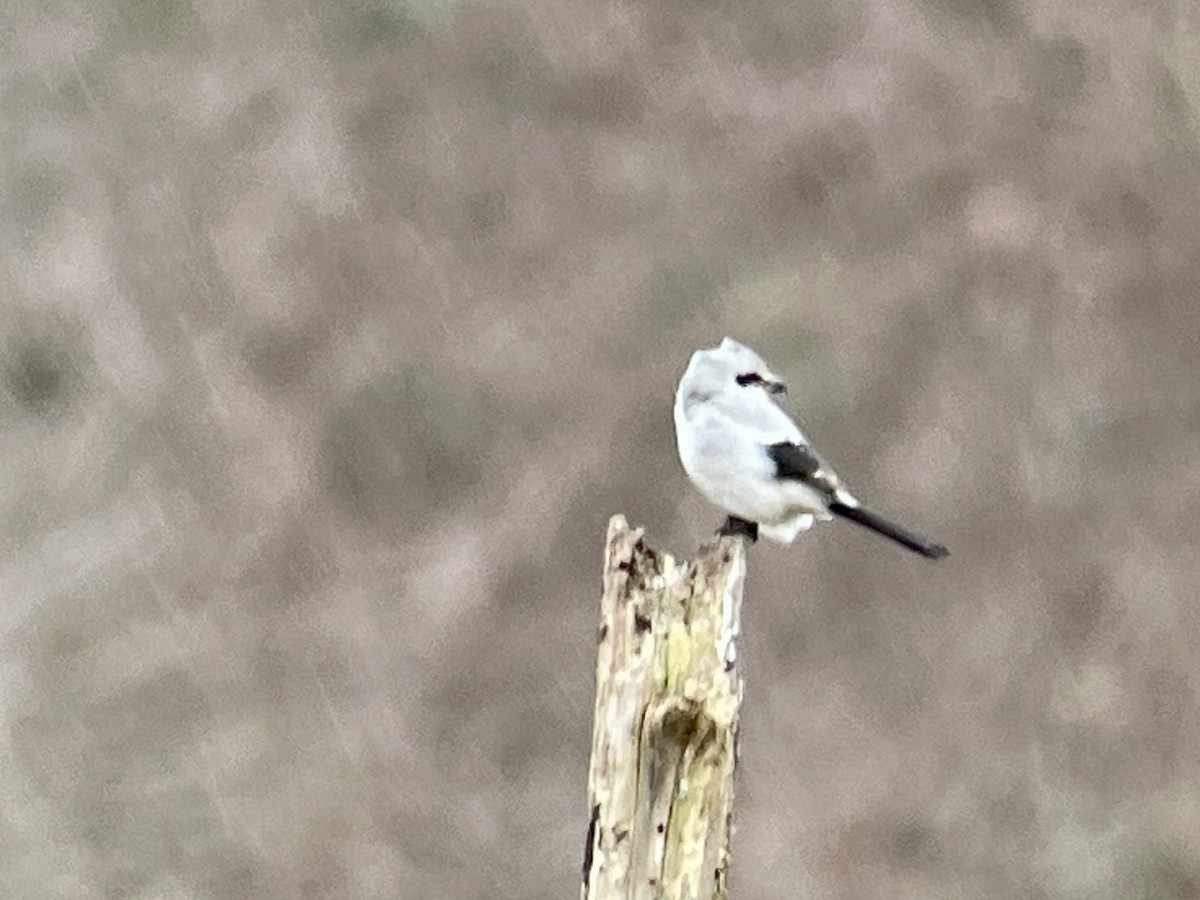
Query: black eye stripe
x,y
749,378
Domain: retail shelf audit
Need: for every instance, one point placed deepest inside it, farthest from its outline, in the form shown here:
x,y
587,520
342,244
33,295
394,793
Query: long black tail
x,y
860,515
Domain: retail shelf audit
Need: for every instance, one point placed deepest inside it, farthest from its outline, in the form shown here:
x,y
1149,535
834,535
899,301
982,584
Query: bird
x,y
748,456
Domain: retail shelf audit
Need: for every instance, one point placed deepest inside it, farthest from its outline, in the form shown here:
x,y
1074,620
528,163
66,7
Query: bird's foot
x,y
735,527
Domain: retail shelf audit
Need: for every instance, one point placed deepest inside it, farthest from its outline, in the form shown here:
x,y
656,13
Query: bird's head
x,y
729,366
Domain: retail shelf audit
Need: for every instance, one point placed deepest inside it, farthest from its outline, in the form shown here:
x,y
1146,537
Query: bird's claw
x,y
735,527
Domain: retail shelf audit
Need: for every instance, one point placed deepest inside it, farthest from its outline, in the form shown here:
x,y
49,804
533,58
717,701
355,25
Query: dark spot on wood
x,y
590,847
620,834
730,665
653,882
660,828
640,623
625,565
646,553
603,634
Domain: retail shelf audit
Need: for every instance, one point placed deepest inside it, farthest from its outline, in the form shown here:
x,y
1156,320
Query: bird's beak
x,y
776,387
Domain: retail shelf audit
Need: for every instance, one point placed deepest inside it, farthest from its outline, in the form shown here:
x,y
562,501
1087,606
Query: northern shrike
x,y
747,456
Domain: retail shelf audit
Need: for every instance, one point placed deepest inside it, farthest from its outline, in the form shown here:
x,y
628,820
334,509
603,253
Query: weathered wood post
x,y
664,738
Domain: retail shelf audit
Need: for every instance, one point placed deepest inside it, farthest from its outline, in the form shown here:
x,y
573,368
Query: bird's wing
x,y
777,433
800,462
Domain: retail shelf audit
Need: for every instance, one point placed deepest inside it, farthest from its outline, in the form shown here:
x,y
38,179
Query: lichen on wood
x,y
664,740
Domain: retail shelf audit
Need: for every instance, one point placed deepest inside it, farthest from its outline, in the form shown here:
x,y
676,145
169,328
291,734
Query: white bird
x,y
748,457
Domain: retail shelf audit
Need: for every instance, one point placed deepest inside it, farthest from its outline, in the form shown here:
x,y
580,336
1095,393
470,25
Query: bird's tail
x,y
860,515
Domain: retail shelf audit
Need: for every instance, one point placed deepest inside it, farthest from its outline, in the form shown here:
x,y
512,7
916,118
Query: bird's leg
x,y
735,527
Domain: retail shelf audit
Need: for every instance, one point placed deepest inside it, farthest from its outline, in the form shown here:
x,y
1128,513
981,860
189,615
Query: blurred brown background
x,y
333,332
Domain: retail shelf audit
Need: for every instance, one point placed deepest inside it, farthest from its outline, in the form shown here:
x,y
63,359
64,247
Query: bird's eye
x,y
749,378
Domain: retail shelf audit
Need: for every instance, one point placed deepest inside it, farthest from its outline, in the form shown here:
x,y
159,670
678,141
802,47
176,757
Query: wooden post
x,y
664,738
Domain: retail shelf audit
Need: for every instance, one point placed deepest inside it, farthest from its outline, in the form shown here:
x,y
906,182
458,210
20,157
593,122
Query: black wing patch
x,y
799,462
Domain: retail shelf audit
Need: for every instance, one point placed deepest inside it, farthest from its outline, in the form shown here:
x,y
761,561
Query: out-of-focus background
x,y
333,332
